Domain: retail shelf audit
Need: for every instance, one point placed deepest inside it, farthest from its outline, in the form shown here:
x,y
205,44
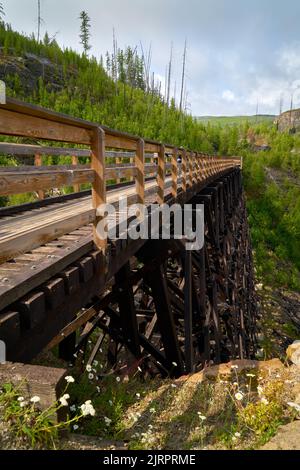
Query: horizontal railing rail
x,y
135,158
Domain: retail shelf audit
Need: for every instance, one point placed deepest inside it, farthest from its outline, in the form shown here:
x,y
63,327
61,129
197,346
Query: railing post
x,y
99,185
190,169
198,167
174,173
131,160
76,187
214,165
140,167
211,170
38,162
161,175
203,166
184,170
118,161
194,168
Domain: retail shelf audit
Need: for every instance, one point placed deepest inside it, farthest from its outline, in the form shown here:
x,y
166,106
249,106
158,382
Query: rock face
x,y
29,69
287,438
273,366
289,120
293,353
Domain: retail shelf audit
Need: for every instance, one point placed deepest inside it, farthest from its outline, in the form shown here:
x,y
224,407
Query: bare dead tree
x,y
40,21
280,104
175,91
147,58
166,82
2,13
169,75
115,61
183,76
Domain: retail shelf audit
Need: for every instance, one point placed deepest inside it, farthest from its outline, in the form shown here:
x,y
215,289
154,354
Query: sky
x,y
240,53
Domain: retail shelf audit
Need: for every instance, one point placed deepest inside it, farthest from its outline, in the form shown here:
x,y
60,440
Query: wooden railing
x,y
97,143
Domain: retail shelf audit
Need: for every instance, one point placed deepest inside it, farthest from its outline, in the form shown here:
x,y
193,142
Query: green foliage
x,y
33,426
236,120
274,214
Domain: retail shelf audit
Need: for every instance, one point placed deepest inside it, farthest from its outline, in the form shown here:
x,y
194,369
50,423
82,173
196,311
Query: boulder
x,y
293,353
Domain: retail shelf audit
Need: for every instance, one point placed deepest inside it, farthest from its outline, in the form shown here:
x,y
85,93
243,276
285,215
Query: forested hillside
x,y
116,95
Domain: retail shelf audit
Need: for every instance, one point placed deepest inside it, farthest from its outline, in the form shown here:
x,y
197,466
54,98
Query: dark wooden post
x,y
75,162
188,313
38,162
184,170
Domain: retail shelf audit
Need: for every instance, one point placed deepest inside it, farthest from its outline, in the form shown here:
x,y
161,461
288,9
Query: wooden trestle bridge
x,y
147,303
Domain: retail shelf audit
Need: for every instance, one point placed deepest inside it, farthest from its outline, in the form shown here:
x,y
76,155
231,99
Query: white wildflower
x,y
173,385
260,390
234,367
250,375
35,399
201,416
21,398
69,379
73,408
239,396
64,399
107,421
138,395
264,401
152,410
88,368
91,376
237,434
95,363
23,403
174,364
118,379
88,409
75,427
98,389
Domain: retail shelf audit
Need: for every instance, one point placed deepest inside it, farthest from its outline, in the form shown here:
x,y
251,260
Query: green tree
x,y
85,33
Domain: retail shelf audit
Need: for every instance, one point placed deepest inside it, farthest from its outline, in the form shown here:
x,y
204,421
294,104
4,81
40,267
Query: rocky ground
x,y
200,411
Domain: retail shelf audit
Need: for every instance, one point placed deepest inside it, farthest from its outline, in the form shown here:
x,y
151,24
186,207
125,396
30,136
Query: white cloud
x,y
289,59
228,95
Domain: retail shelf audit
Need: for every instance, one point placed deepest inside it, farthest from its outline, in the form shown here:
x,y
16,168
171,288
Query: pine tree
x,y
85,31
